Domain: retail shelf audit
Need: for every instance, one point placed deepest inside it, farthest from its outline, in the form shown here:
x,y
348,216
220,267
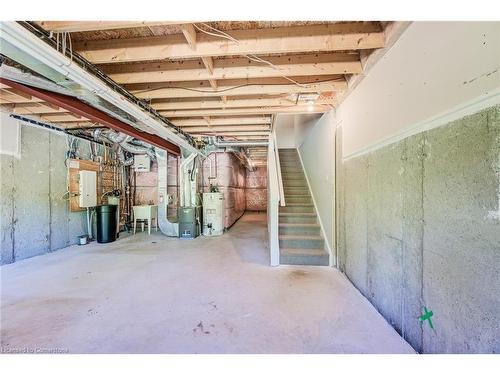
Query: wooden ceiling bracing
x,y
220,78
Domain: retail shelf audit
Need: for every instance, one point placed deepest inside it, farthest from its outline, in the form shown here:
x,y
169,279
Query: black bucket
x,y
106,223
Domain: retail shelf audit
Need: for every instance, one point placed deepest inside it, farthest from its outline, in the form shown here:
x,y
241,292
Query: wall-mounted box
x,y
142,163
88,189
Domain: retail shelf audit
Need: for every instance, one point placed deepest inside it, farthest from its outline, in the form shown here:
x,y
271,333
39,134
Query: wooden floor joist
x,y
245,89
316,108
235,68
223,121
225,78
283,40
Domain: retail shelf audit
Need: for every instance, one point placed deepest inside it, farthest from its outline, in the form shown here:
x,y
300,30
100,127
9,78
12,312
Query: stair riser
x,y
299,230
298,199
298,219
300,243
296,191
291,209
285,178
295,183
290,164
306,260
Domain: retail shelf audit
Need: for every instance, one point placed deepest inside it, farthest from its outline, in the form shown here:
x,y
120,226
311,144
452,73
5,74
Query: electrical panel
x,y
213,214
88,189
142,163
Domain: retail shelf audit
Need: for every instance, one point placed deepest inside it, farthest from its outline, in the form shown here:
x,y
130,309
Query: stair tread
x,y
293,225
298,204
306,214
300,237
303,251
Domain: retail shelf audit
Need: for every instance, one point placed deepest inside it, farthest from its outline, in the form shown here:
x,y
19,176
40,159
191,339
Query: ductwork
x,y
27,48
124,142
116,137
141,148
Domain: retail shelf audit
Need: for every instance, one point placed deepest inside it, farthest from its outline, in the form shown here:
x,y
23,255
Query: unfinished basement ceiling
x,y
223,78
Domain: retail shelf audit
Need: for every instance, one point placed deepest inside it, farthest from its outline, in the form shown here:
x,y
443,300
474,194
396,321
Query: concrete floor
x,y
153,294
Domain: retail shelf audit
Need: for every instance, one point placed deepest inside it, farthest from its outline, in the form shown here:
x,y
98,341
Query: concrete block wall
x,y
419,225
34,212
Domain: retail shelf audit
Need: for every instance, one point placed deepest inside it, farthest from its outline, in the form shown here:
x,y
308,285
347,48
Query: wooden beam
x,y
36,108
209,64
229,103
212,132
78,26
280,40
198,129
186,91
253,137
66,117
19,93
248,111
213,83
190,35
223,121
236,68
8,96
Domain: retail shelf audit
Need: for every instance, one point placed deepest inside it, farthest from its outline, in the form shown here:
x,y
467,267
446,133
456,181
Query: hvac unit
x,y
213,214
189,221
88,189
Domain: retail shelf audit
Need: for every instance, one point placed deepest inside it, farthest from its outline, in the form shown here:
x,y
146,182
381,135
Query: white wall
x,y
435,70
317,153
291,130
285,131
10,135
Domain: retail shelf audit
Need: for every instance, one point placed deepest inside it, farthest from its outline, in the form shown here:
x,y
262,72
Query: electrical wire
x,y
255,58
306,85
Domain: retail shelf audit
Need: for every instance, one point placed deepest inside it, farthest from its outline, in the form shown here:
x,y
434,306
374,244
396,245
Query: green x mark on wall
x,y
427,314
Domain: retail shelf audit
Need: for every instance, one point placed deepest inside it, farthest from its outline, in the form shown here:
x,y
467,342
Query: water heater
x,y
213,214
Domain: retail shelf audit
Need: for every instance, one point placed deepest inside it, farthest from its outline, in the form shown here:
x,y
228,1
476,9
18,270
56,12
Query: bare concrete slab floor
x,y
153,294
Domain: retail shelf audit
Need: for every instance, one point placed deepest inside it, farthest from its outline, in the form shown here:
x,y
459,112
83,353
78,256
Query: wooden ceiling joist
x,y
243,128
36,108
79,26
264,88
235,133
281,40
236,68
229,103
9,95
222,121
317,108
68,117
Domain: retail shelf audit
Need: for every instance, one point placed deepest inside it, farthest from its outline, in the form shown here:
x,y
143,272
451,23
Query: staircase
x,y
300,237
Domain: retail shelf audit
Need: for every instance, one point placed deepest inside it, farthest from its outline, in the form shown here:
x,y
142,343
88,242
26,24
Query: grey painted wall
x,y
419,226
34,213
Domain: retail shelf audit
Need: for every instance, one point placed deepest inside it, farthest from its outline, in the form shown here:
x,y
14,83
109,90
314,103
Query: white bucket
x,y
83,240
